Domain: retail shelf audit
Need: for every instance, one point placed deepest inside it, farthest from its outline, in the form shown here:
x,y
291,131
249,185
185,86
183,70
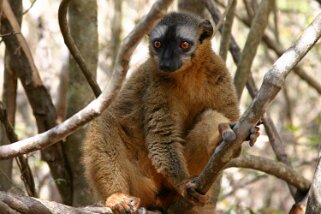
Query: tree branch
x,y
251,45
70,43
279,50
22,161
278,169
229,9
96,107
274,137
226,29
273,82
15,204
314,200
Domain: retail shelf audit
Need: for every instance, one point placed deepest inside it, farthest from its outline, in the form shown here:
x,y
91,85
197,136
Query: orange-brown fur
x,y
196,98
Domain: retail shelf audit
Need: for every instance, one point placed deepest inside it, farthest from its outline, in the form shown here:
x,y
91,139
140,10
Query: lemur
x,y
162,128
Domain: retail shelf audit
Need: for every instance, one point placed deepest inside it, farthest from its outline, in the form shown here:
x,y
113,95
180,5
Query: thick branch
x,y
70,43
273,82
251,45
274,137
96,107
278,169
14,204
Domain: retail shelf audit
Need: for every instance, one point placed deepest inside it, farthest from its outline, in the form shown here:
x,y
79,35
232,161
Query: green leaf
x,y
292,128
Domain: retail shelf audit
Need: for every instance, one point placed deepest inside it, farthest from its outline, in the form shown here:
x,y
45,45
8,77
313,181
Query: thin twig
x,y
22,162
29,8
242,185
9,34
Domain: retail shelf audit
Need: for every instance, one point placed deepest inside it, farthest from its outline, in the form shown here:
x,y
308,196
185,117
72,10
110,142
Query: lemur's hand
x,y
228,135
188,190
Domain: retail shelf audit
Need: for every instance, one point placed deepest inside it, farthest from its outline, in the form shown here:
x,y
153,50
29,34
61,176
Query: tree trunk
x,y
192,6
83,27
9,99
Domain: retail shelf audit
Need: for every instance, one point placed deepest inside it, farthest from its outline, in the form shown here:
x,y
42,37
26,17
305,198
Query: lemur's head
x,y
176,38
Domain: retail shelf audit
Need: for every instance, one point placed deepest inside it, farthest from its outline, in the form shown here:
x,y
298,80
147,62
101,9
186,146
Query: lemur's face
x,y
175,39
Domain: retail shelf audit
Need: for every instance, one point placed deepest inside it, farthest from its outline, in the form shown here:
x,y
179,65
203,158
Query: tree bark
x,y
192,6
314,200
15,204
83,29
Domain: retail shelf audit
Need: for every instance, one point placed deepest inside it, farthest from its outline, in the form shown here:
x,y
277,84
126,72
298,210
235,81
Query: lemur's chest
x,y
195,92
190,100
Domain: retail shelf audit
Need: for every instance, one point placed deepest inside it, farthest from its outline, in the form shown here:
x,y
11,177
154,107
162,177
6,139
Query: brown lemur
x,y
162,128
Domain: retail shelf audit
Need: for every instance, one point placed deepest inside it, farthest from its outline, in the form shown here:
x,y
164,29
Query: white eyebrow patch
x,y
159,31
186,32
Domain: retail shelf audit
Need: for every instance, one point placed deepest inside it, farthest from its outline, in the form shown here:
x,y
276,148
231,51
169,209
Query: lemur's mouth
x,y
168,70
168,67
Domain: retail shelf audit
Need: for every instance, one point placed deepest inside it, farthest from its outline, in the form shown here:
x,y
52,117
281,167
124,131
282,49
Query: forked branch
x,y
273,82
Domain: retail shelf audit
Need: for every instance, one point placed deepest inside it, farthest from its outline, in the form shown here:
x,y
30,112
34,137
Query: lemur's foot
x,y
122,203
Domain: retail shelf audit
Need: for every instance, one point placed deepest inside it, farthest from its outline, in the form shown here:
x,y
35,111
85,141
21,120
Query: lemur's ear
x,y
206,30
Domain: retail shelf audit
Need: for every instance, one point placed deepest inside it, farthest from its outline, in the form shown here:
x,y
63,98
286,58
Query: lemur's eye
x,y
157,44
185,45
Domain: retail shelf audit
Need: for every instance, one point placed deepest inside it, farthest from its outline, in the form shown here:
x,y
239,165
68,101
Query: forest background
x,y
98,28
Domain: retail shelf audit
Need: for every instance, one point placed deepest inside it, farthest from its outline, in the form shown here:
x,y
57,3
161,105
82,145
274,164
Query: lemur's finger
x,y
226,132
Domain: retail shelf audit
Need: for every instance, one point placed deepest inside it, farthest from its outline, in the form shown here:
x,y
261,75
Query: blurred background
x,y
296,111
